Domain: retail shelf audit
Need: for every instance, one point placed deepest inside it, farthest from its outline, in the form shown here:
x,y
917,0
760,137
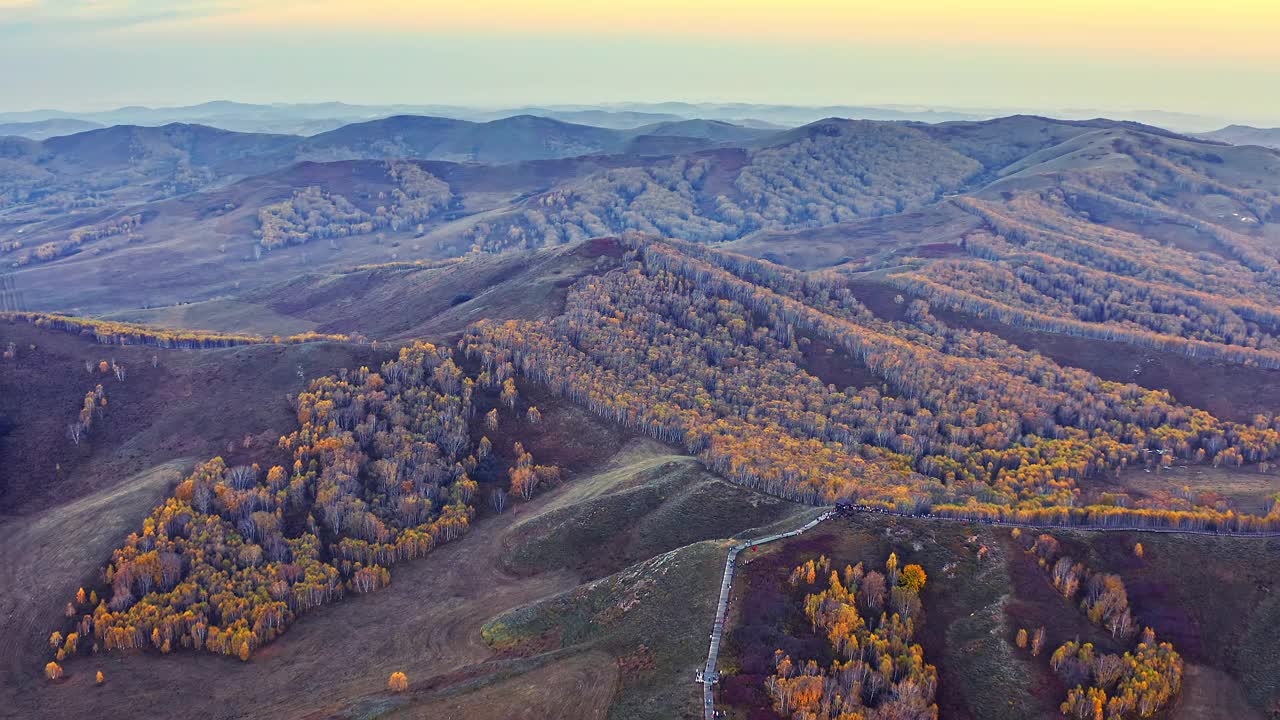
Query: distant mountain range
x,y
198,212
315,118
1245,135
104,167
41,129
512,139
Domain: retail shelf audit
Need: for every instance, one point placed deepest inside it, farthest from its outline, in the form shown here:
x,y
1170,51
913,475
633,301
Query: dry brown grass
x,y
1210,694
1242,489
426,623
579,687
192,404
411,302
336,660
46,556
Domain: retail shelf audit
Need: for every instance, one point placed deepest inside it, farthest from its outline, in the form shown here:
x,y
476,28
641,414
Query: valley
x,y
487,402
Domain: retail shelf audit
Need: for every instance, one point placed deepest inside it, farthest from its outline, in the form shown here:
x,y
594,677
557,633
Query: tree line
x,y
380,474
703,349
122,225
1043,264
109,332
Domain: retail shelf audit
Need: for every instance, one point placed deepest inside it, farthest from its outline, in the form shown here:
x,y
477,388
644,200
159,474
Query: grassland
x,y
1212,598
600,589
594,599
589,678
652,614
1245,489
647,502
171,404
627,506
413,302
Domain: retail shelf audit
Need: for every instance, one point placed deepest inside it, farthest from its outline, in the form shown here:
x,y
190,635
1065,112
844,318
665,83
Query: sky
x,y
1217,58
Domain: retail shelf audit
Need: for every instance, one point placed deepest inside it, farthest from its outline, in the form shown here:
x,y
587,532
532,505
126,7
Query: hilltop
x,y
512,139
1246,135
443,211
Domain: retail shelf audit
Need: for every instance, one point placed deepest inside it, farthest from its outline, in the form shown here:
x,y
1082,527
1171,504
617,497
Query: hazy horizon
x,y
623,105
83,56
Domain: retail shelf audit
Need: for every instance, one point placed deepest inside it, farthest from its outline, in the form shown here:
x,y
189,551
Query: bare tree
x,y
242,477
872,591
202,498
498,499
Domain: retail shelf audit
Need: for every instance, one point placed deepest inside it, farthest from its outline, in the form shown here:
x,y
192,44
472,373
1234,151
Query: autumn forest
x,y
855,420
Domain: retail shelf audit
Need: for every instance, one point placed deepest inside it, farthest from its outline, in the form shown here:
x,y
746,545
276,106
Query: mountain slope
x,y
41,129
827,172
105,168
713,130
517,138
1246,135
876,193
105,150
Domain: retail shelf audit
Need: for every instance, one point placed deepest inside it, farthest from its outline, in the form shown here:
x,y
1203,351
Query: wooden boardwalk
x,y
709,675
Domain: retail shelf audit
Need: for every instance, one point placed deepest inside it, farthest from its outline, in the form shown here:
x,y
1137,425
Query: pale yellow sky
x,y
1228,28
1217,58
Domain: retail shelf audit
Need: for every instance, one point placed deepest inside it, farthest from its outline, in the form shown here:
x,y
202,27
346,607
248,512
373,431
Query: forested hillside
x,y
550,392
708,350
828,172
234,212
1147,240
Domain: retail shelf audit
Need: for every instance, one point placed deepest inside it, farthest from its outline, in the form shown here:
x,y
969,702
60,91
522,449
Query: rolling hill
x,y
569,382
91,174
62,192
512,139
836,178
1246,135
42,129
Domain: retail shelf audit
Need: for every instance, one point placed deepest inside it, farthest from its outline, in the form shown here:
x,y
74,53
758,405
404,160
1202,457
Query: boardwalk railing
x,y
1062,526
709,675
